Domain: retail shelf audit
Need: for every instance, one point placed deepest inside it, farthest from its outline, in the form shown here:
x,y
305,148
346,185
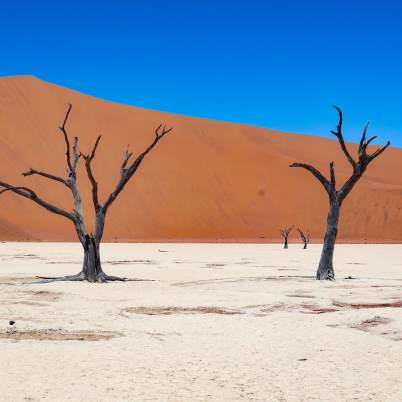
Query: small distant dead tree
x,y
336,197
92,269
285,234
305,238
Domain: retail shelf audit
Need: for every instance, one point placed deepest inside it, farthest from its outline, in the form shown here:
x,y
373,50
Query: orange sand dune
x,y
206,181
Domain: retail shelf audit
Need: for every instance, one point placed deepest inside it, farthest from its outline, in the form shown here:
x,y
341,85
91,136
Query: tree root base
x,y
325,278
81,277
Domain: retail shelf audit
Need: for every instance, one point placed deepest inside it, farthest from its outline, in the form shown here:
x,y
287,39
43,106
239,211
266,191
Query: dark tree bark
x,y
285,234
336,197
305,238
91,269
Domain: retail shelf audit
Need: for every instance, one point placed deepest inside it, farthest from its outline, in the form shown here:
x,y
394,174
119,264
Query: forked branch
x,y
338,133
127,156
92,269
286,232
305,237
365,158
359,166
72,165
127,172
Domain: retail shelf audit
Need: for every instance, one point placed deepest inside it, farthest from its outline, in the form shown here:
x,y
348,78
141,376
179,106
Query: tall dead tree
x,y
305,238
285,234
336,197
91,269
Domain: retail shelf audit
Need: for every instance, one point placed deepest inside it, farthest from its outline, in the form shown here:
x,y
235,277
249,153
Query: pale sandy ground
x,y
281,347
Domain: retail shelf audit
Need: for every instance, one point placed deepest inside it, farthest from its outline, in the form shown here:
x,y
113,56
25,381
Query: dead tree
x,y
92,269
285,234
305,238
336,197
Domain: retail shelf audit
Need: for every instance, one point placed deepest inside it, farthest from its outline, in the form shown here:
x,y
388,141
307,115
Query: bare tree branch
x,y
379,151
127,172
76,155
316,173
30,194
63,130
127,156
363,139
301,234
15,189
95,147
332,175
88,160
286,232
305,237
369,140
50,176
339,135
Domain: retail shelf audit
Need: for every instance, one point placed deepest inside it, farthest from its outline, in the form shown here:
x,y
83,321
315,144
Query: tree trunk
x,y
92,269
325,267
286,243
305,245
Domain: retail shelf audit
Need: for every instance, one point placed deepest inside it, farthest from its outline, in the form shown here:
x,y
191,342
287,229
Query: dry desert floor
x,y
207,322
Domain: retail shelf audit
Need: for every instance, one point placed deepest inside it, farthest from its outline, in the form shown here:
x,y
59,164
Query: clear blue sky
x,y
278,64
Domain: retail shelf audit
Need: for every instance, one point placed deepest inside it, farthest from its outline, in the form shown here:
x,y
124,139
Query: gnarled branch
x,y
305,237
365,158
76,155
332,175
359,166
127,172
88,159
30,194
63,130
338,133
317,174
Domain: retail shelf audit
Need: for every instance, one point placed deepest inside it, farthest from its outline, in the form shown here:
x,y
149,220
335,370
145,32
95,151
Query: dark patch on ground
x,y
44,295
219,266
316,309
57,335
396,304
371,322
181,310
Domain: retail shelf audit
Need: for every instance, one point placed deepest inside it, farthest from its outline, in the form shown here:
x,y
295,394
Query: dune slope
x,y
206,181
